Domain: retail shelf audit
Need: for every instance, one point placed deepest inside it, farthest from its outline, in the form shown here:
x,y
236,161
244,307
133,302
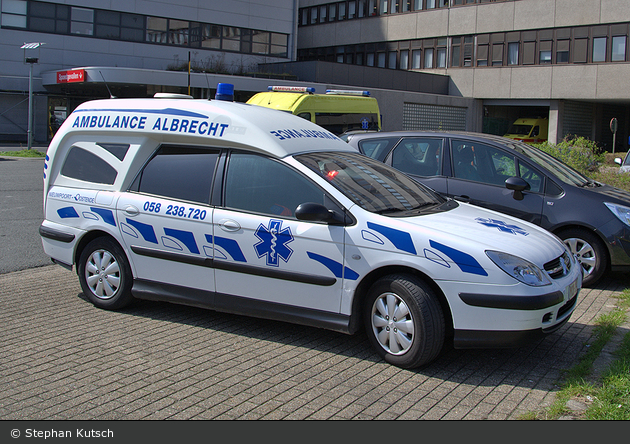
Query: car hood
x,y
615,194
476,228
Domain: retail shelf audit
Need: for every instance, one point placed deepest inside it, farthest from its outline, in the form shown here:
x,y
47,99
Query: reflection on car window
x,y
370,184
482,163
377,148
163,174
418,156
532,177
262,185
562,171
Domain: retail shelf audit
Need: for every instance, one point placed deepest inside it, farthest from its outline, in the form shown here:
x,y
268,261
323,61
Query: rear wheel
x,y
404,321
105,274
590,252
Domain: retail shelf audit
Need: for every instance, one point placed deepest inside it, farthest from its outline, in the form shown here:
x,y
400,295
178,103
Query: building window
x,y
562,51
618,49
416,59
381,60
599,49
404,59
14,13
82,21
391,63
513,53
428,58
544,55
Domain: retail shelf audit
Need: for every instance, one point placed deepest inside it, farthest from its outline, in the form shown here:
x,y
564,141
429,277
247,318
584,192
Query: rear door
x,y
165,219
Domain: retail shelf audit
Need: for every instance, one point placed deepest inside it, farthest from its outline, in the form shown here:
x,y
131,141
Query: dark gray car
x,y
494,172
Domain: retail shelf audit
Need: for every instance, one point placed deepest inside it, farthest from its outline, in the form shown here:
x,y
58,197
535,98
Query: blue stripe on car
x,y
465,262
401,239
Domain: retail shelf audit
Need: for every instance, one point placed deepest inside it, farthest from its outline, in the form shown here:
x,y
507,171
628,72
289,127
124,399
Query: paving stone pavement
x,y
63,359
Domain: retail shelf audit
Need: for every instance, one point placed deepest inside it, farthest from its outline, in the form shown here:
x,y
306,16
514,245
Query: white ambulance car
x,y
243,209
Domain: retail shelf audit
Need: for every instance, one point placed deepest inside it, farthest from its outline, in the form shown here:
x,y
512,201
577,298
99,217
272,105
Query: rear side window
x,y
83,165
177,172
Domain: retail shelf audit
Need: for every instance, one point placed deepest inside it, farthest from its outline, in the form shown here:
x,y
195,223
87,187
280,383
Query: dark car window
x,y
532,177
180,173
372,185
418,156
377,148
481,163
262,185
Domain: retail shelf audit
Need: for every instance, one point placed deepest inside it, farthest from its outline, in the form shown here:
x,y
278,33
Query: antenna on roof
x,y
111,96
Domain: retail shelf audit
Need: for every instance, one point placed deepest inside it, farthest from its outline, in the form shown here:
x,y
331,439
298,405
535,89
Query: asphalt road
x,y
21,214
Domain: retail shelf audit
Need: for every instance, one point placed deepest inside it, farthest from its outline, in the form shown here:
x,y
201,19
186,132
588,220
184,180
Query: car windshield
x,y
521,130
370,184
562,171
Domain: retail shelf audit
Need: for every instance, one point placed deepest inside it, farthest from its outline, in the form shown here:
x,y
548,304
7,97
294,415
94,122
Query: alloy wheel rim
x,y
392,324
584,252
102,274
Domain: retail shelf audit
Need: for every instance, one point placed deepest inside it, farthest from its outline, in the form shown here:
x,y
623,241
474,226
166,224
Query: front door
x,y
262,251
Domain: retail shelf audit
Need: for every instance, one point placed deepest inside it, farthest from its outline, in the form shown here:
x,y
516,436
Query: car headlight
x,y
623,213
520,269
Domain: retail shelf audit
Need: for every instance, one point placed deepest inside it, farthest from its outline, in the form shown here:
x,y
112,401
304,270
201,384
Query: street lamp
x,y
31,61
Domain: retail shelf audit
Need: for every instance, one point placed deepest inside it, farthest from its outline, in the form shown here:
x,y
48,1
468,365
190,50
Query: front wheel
x,y
404,321
590,252
105,274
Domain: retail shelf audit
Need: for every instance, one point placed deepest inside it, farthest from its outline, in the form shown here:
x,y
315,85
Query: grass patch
x,y
608,399
23,153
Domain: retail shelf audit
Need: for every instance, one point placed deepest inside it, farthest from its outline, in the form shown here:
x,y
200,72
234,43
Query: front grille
x,y
559,267
566,307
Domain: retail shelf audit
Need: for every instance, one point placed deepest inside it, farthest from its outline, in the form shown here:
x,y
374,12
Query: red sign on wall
x,y
72,76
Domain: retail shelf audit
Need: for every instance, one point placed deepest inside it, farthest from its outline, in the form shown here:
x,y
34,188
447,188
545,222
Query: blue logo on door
x,y
273,242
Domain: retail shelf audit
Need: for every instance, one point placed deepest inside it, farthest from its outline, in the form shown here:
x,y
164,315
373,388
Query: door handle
x,y
130,210
229,225
463,198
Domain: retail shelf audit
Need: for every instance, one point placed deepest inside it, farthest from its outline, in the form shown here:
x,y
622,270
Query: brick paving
x,y
63,359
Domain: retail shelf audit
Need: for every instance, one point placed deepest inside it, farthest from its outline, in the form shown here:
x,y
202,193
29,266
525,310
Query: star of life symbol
x,y
502,226
273,242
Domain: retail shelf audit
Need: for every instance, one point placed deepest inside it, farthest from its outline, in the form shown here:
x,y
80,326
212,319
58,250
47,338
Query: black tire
x,y
590,252
413,341
105,274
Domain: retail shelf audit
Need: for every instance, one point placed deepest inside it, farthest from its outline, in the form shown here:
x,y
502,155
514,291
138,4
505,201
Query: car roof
x,y
251,127
424,133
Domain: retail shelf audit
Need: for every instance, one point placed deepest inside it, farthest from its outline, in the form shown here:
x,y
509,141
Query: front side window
x,y
370,184
482,163
261,185
179,173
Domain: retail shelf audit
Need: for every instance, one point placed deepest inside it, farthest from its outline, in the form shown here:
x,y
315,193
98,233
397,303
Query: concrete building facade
x,y
432,64
562,59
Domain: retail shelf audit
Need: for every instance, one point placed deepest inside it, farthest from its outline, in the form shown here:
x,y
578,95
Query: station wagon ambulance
x,y
248,210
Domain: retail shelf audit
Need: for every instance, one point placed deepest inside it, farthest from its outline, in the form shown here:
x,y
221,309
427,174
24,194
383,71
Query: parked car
x,y
624,164
248,210
509,176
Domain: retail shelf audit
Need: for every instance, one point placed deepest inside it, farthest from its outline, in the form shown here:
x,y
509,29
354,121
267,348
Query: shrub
x,y
578,152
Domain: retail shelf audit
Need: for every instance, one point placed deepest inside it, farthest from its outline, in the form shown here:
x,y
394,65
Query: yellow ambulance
x,y
338,111
529,130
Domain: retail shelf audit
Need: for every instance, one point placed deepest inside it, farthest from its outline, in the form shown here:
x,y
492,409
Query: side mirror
x,y
618,160
518,185
314,212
